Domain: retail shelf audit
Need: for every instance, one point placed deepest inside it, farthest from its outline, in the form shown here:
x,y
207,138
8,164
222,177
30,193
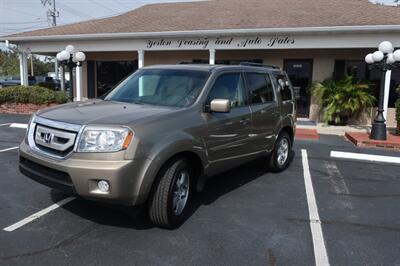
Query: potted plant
x,y
342,99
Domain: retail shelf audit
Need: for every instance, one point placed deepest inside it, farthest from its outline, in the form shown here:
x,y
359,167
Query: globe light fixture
x,y
386,47
72,59
384,59
378,56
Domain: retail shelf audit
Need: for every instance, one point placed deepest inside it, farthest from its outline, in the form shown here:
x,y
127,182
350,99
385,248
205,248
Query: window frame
x,y
217,76
248,88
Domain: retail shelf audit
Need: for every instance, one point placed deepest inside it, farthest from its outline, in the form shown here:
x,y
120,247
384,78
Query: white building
x,y
312,40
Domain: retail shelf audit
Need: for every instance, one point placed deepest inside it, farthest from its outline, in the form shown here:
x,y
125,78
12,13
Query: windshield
x,y
167,87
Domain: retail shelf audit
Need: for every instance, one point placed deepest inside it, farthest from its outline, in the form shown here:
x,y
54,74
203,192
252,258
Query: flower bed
x,y
28,99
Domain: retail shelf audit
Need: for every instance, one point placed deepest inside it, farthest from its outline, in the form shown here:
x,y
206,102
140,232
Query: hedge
x,y
31,94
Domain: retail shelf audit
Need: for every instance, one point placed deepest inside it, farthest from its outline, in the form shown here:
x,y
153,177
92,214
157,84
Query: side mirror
x,y
220,106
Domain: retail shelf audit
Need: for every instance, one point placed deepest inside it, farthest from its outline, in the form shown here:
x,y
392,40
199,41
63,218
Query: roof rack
x,y
258,65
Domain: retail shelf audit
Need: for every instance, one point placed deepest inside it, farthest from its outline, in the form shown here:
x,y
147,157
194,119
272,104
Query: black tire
x,y
275,162
161,206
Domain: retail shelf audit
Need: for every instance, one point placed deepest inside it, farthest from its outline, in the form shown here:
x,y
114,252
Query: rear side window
x,y
284,87
260,88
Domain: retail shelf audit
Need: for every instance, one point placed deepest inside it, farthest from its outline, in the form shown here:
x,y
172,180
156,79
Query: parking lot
x,y
246,216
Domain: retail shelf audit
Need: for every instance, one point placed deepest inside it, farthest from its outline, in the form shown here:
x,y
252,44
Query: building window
x,y
110,73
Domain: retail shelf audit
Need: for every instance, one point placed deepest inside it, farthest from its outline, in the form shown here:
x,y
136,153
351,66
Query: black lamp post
x,y
71,59
384,59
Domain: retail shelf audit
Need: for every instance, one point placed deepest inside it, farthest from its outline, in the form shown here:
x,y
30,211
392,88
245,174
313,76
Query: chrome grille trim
x,y
53,138
40,122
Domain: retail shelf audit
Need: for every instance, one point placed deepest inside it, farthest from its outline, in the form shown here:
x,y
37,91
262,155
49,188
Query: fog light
x,y
103,186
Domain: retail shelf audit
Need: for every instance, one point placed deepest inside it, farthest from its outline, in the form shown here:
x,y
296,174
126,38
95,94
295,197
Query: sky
x,y
25,15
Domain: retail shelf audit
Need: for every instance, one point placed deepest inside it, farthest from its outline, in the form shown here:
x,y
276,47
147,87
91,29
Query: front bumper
x,y
80,176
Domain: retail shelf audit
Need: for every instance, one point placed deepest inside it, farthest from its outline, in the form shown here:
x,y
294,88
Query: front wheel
x,y
280,157
170,201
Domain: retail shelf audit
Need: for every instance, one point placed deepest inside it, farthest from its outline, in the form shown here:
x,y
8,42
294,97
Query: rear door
x,y
265,110
228,133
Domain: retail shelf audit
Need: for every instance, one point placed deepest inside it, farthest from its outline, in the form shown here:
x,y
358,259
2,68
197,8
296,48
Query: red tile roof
x,y
233,14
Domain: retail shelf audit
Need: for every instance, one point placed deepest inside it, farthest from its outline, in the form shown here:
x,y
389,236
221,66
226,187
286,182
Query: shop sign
x,y
221,43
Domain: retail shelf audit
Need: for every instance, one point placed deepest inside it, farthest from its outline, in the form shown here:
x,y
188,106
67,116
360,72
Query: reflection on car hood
x,y
103,112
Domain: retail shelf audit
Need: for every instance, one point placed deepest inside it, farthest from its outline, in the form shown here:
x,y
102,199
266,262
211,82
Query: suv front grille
x,y
57,142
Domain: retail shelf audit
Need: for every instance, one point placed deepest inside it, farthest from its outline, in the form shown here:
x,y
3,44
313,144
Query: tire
x,y
279,159
174,189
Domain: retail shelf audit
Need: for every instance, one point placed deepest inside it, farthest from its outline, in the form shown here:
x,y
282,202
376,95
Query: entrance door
x,y
300,74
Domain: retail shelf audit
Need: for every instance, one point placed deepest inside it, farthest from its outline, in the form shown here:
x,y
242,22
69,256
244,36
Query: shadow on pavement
x,y
137,218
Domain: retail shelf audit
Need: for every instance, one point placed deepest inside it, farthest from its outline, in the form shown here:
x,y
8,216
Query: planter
x,y
22,108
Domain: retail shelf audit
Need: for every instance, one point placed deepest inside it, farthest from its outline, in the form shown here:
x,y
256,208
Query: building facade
x,y
313,41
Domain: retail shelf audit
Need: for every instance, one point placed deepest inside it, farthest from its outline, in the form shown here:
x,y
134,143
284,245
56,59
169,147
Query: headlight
x,y
104,139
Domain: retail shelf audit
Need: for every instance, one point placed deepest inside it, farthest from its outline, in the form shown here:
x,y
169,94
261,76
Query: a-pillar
x,y
212,56
140,58
23,68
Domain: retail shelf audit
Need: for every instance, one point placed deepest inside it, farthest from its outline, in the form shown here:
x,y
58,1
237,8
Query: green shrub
x,y
342,99
31,94
48,85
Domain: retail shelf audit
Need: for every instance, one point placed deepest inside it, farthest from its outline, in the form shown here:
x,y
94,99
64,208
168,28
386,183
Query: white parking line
x,y
38,214
320,253
19,125
6,124
365,157
9,149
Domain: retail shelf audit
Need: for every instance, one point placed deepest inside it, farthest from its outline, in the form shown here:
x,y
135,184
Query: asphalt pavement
x,y
246,216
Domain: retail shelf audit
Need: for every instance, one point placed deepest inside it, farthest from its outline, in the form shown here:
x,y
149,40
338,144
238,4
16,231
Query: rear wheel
x,y
171,198
280,157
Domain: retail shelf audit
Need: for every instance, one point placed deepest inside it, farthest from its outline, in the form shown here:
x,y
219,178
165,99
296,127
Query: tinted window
x,y
260,88
160,87
229,86
284,88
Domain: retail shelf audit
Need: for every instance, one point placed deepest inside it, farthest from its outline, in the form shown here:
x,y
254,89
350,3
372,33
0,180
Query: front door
x,y
300,74
228,133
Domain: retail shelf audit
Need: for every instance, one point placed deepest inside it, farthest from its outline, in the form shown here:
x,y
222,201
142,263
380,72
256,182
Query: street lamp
x,y
384,59
72,59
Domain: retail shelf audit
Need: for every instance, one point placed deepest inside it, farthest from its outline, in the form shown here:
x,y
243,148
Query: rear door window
x,y
260,88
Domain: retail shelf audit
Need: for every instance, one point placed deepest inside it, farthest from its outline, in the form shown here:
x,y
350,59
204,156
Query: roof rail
x,y
258,65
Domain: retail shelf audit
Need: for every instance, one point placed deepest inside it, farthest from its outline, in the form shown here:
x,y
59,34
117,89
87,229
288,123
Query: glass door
x,y
300,74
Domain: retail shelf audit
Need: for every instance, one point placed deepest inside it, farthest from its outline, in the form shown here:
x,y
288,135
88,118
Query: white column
x,y
56,73
387,92
23,69
140,58
212,56
78,75
62,78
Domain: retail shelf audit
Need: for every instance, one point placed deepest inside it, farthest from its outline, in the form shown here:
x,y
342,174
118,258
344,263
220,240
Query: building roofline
x,y
207,33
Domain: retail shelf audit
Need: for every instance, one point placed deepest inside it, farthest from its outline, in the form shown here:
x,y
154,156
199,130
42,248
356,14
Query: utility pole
x,y
52,15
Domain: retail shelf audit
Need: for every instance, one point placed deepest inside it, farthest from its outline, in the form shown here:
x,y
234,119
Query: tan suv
x,y
159,134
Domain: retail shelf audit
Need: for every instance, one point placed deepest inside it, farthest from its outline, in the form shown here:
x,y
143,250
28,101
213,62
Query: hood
x,y
103,112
